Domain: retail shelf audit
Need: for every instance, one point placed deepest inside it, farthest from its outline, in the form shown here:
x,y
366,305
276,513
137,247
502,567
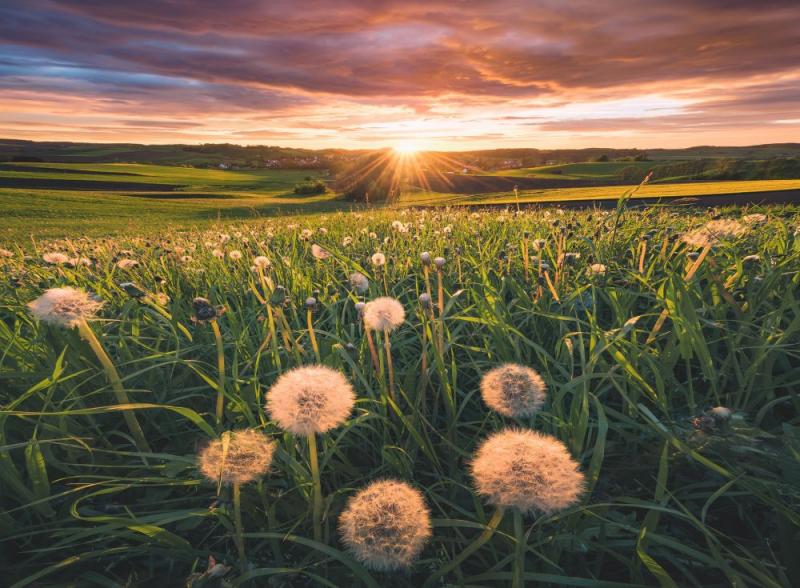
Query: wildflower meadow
x,y
407,397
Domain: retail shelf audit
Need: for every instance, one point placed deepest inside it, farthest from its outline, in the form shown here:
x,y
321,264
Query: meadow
x,y
64,199
667,342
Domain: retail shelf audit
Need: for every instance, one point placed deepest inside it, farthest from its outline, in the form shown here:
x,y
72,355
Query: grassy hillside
x,y
141,197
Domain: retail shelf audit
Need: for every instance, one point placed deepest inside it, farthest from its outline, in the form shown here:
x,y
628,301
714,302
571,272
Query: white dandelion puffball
x,y
64,307
311,399
247,457
261,262
386,525
359,282
384,314
513,390
528,471
319,252
56,258
378,259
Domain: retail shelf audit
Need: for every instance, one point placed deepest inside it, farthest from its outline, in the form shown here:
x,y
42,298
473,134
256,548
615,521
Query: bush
x,y
312,187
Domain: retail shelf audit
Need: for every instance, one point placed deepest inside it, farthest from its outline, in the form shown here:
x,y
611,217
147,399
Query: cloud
x,y
493,63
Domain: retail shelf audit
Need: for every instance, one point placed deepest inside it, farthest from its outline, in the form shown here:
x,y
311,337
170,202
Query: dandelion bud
x,y
311,399
384,314
386,525
132,290
425,257
64,307
425,300
528,471
439,262
360,307
247,457
205,311
513,390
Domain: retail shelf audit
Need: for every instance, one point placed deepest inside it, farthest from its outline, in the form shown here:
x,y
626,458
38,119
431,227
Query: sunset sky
x,y
437,74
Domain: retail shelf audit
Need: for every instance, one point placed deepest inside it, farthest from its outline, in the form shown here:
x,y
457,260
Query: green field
x,y
671,372
141,198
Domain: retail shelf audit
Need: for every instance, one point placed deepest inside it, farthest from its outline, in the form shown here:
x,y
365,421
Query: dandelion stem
x,y
372,351
116,384
518,580
491,527
237,522
220,407
311,335
387,347
313,460
273,338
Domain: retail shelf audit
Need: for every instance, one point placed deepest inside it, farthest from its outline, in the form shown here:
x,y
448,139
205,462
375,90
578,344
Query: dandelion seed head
x,y
513,390
596,269
528,471
127,264
359,282
235,255
56,258
384,314
319,252
378,259
310,399
754,219
261,262
386,525
249,455
721,413
64,307
6,253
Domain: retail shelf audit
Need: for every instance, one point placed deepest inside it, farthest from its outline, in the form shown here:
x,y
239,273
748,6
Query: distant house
x,y
224,166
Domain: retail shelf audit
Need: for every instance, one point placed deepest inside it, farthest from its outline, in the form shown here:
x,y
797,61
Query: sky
x,y
424,74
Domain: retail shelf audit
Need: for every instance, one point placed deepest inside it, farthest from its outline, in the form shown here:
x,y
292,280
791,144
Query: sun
x,y
406,148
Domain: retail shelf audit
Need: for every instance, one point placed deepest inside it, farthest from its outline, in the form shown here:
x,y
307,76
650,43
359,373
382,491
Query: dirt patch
x,y
60,170
184,196
83,185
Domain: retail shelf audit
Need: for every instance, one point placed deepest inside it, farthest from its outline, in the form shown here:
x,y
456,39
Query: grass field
x,y
634,356
178,197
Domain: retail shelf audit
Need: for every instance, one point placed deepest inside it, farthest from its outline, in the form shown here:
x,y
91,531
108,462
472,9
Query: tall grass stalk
x,y
87,334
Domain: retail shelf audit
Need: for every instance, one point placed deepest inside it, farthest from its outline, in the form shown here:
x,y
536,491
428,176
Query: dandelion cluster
x,y
386,525
311,399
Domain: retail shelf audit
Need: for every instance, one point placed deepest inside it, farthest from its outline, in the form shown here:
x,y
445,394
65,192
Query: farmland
x,y
61,200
